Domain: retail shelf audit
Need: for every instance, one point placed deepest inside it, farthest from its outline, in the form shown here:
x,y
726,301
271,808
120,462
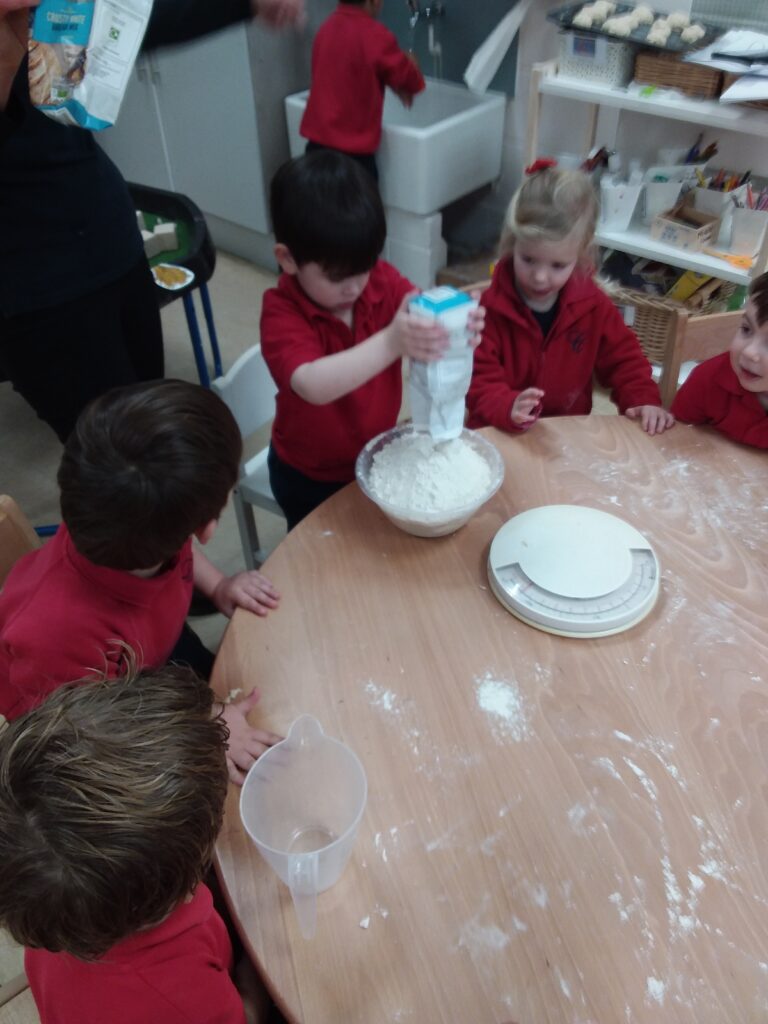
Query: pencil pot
x,y
722,204
748,231
617,204
658,197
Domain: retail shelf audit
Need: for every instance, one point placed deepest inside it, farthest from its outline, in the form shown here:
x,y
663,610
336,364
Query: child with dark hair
x,y
112,797
550,329
354,58
147,470
730,391
335,329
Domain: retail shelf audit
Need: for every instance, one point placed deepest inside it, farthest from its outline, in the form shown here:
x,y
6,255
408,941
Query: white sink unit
x,y
446,145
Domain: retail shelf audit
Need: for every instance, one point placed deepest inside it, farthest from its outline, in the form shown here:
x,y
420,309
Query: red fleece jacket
x,y
588,338
712,394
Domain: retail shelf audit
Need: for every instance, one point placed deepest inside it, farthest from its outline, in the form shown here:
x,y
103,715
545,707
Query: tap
x,y
429,11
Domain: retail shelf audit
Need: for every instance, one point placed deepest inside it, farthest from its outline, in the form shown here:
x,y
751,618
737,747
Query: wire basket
x,y
674,73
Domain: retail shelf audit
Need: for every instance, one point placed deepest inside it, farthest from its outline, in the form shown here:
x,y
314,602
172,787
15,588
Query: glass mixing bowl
x,y
429,524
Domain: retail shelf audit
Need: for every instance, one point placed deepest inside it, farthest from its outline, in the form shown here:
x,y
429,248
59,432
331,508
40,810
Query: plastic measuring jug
x,y
301,804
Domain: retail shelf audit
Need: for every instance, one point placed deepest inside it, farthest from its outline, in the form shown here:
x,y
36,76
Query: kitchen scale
x,y
574,571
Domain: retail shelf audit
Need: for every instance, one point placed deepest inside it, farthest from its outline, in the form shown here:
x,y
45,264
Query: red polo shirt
x,y
174,973
354,58
712,394
63,618
323,441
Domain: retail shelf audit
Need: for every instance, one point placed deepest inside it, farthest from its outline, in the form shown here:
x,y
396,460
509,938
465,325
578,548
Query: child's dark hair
x,y
326,209
145,467
111,797
758,293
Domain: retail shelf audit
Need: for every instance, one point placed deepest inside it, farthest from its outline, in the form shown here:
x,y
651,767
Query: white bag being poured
x,y
81,54
438,390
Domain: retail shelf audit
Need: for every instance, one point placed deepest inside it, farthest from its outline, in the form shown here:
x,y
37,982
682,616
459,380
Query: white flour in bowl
x,y
414,474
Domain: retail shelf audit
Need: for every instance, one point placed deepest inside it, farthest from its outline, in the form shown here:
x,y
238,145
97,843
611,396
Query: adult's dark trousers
x,y
61,357
296,494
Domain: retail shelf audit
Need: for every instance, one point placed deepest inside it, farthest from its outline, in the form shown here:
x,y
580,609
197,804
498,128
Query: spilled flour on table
x,y
656,990
503,703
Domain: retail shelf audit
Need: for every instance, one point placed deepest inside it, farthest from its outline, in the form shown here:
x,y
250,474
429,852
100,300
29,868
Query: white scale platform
x,y
574,571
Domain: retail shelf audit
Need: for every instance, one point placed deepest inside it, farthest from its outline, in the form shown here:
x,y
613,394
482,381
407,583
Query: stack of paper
x,y
753,83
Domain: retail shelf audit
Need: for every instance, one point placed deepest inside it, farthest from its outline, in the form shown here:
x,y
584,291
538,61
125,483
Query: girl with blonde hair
x,y
549,329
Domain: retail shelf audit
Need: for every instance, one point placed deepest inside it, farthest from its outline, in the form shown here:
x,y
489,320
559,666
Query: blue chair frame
x,y
201,260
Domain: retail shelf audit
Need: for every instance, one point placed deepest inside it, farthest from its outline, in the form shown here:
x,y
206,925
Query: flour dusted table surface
x,y
557,830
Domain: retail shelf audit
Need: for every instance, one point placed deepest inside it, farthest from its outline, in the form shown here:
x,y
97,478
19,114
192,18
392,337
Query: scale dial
x,y
574,571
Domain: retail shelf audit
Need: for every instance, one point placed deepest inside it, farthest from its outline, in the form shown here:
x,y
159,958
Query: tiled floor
x,y
30,453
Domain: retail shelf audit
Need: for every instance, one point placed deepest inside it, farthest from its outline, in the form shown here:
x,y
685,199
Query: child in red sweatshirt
x,y
353,59
113,795
549,328
730,391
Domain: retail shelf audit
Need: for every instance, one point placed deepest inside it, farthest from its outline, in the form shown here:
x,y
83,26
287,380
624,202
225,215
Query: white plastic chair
x,y
249,391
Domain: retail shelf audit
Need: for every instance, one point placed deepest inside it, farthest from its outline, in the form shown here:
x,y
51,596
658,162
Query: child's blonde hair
x,y
550,205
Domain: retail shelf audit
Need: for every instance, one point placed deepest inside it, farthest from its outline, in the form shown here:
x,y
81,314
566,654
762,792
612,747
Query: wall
x,y
280,65
459,30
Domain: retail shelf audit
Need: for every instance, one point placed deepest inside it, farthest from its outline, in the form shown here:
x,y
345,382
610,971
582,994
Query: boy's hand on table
x,y
653,419
245,744
416,336
250,590
526,407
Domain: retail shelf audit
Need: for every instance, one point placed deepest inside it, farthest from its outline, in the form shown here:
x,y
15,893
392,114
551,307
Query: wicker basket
x,y
655,318
665,70
729,79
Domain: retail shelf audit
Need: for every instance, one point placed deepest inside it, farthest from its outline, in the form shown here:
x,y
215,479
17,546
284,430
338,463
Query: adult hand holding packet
x,y
81,54
438,389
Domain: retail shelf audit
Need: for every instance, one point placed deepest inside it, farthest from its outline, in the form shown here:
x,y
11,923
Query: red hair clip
x,y
540,165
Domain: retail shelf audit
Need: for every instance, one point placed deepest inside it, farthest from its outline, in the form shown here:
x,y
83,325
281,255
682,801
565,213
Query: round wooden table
x,y
557,830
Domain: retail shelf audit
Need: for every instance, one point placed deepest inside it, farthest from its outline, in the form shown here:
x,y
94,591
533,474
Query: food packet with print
x,y
81,54
438,389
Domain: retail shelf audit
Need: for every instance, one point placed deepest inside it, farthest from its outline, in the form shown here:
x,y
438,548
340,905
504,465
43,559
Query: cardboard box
x,y
685,227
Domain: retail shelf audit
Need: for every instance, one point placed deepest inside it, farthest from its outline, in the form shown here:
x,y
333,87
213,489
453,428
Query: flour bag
x,y
81,54
438,390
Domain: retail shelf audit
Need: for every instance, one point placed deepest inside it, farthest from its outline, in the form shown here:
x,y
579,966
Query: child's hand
x,y
416,336
249,590
405,97
245,743
476,323
653,419
525,407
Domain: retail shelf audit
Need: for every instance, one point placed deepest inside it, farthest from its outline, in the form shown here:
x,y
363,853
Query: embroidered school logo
x,y
576,341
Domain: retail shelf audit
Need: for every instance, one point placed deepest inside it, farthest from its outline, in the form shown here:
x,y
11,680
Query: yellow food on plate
x,y
170,276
